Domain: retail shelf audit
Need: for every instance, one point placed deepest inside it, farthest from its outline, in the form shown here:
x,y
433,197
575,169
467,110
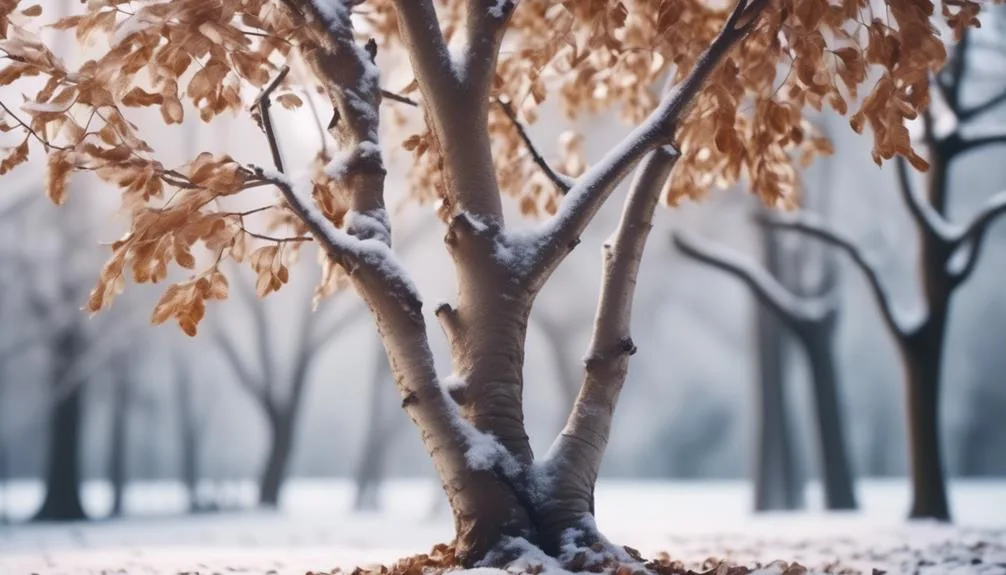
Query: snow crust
x,y
372,251
484,451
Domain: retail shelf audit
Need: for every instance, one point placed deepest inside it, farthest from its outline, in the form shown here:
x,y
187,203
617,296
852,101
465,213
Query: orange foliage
x,y
591,55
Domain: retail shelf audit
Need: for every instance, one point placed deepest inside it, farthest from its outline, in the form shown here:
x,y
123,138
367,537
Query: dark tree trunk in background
x,y
778,478
276,462
836,472
189,428
370,471
923,365
63,475
118,443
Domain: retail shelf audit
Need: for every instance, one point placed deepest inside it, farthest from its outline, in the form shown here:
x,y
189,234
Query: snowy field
x,y
316,532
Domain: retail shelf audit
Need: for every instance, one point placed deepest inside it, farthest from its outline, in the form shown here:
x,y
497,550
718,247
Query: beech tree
x,y
725,113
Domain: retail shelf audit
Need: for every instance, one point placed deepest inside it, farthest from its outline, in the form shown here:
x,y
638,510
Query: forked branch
x,y
592,189
972,237
794,311
813,227
925,216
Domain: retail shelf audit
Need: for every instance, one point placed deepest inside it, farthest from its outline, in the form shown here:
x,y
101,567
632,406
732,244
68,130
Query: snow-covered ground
x,y
689,521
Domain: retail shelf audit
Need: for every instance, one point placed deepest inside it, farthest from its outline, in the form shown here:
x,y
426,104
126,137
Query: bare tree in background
x,y
121,377
779,477
810,313
260,374
193,419
381,428
948,256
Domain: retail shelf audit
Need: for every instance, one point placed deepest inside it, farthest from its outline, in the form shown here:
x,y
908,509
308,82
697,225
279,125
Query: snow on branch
x,y
925,216
594,187
793,310
973,236
813,227
349,251
484,451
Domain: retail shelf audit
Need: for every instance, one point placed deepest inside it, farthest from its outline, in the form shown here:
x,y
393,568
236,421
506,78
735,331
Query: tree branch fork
x,y
500,271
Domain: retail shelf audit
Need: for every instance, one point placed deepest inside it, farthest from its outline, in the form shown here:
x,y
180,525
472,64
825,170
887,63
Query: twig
x,y
562,182
399,98
263,104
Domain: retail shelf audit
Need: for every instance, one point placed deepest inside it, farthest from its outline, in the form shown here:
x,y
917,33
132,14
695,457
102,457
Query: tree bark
x,y
779,483
836,472
62,479
923,365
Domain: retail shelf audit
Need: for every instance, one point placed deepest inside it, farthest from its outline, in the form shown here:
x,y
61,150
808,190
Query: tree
x,y
948,256
725,112
811,316
277,391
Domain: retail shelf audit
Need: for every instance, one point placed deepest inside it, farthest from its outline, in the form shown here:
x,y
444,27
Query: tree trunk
x,y
117,442
62,480
923,364
778,481
276,463
370,470
836,473
188,428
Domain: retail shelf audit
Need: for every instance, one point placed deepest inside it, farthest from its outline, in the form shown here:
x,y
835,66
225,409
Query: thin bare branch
x,y
792,310
245,375
562,182
399,98
263,103
592,189
813,227
979,109
925,216
973,236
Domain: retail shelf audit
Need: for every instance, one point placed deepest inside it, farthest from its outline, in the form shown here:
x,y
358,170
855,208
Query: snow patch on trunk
x,y
484,451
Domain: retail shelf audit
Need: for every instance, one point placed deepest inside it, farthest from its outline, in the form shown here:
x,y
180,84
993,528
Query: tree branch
x,y
927,218
487,22
811,226
592,189
246,378
974,234
970,113
971,144
562,182
581,444
424,40
794,311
